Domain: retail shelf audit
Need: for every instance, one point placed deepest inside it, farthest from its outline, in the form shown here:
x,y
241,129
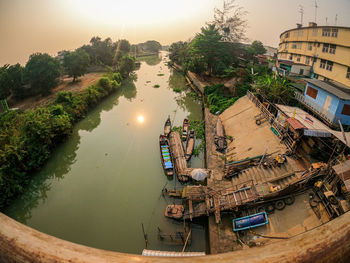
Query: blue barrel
x,y
250,221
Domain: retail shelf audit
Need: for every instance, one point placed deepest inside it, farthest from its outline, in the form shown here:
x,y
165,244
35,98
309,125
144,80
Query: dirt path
x,y
65,85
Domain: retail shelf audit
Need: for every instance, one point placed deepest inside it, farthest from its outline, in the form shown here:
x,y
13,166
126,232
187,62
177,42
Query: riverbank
x,y
66,84
29,137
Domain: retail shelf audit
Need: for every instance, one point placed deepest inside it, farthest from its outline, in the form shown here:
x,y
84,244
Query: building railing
x,y
281,131
328,117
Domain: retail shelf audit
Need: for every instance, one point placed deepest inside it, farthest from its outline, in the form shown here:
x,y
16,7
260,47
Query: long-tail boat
x,y
185,128
166,155
190,144
167,127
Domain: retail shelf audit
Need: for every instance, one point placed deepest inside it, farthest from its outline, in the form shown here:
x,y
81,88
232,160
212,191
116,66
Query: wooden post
x,y
144,235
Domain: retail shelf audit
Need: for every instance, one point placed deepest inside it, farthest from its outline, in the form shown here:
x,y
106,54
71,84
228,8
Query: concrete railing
x,y
325,244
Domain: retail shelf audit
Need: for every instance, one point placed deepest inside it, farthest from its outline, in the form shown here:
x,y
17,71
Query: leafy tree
x,y
230,21
76,63
153,46
178,52
100,51
5,90
41,72
15,73
208,48
126,65
256,48
122,48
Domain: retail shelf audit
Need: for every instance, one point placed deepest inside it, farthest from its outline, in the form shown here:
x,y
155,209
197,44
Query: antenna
x,y
301,11
336,19
326,21
316,6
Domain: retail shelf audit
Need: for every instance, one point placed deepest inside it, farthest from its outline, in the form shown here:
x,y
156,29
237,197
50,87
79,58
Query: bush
x,y
218,102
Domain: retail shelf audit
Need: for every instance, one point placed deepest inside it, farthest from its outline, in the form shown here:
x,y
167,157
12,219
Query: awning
x,y
295,124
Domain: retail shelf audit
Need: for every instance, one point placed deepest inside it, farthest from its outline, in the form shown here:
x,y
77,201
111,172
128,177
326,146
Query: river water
x,y
106,180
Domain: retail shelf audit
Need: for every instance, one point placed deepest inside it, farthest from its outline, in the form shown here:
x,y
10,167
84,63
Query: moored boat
x,y
174,211
190,144
185,128
165,155
167,127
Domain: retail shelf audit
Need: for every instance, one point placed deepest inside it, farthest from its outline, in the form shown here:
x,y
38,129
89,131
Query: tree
x,y
209,48
122,48
126,65
230,21
76,63
256,48
178,52
41,72
5,90
153,46
15,73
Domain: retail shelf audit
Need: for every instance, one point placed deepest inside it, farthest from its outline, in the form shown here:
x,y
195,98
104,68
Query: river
x,y
106,180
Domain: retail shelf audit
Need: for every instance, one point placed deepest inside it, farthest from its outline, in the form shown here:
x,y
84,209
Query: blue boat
x,y
166,155
250,221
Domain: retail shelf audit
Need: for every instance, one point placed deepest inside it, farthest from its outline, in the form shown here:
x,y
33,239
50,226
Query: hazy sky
x,y
28,26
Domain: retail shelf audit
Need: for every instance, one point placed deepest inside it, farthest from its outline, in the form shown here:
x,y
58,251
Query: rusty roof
x,y
295,124
343,171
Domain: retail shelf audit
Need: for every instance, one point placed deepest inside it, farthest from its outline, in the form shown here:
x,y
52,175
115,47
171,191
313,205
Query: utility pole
x,y
316,6
301,11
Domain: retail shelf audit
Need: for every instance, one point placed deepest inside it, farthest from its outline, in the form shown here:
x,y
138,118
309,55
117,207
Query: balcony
x,y
327,117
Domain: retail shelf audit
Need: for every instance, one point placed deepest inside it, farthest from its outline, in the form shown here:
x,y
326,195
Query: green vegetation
x,y
76,63
41,72
217,101
126,65
199,128
160,74
27,138
156,86
177,90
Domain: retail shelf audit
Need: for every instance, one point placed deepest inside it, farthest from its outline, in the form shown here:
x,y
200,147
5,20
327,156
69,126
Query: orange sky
x,y
28,26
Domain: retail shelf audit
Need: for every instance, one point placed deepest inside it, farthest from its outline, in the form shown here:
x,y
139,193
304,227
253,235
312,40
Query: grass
x,y
156,86
160,74
177,90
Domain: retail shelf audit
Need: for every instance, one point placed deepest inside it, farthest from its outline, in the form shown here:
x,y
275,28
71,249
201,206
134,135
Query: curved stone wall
x,y
328,243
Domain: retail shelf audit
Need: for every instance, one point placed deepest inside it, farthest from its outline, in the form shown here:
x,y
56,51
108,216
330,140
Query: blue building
x,y
328,100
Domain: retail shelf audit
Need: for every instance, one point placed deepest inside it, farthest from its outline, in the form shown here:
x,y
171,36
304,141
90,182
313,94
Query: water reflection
x,y
151,60
64,155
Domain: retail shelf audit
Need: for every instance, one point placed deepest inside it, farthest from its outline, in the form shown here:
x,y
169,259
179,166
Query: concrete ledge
x,y
327,243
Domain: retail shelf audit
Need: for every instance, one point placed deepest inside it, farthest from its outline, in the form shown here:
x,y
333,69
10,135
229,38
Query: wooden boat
x,y
185,128
174,211
165,155
190,144
220,138
250,221
167,127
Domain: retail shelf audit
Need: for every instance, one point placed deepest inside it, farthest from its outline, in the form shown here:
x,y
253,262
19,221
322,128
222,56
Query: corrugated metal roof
x,y
295,124
338,90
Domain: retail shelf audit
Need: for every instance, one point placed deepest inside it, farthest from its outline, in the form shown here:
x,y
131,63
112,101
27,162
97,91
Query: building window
x,y
310,46
311,92
346,110
316,76
334,32
325,79
326,32
307,60
323,63
314,32
332,49
291,57
286,45
325,48
329,65
315,59
294,46
348,73
287,35
298,58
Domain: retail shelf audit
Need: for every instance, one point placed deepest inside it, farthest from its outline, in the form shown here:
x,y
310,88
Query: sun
x,y
140,119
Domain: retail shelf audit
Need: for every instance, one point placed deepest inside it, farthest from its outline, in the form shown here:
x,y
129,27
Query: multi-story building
x,y
321,52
